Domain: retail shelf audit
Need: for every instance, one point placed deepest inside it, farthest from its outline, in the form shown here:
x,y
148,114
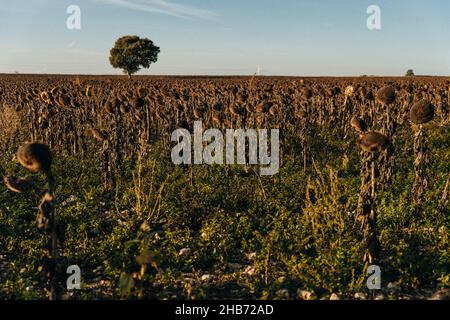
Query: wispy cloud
x,y
80,52
164,7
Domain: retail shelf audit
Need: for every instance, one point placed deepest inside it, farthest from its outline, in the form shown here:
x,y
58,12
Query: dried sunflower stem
x,y
366,212
47,221
444,198
421,159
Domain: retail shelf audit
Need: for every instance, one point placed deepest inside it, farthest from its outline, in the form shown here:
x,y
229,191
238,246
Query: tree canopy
x,y
131,53
409,73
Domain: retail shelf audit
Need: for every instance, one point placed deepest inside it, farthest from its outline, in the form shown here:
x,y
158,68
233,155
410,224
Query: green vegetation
x,y
410,73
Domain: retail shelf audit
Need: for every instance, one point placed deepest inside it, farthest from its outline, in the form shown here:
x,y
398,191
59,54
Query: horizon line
x,y
222,75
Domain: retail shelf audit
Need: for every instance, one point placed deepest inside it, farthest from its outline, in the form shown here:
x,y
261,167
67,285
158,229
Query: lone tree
x,y
410,73
131,53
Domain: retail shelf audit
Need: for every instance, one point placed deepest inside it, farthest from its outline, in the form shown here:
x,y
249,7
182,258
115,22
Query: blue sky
x,y
223,37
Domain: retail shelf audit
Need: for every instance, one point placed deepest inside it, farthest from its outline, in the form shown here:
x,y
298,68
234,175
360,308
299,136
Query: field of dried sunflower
x,y
364,179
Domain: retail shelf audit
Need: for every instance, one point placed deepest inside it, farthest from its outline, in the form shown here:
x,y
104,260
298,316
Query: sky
x,y
230,37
